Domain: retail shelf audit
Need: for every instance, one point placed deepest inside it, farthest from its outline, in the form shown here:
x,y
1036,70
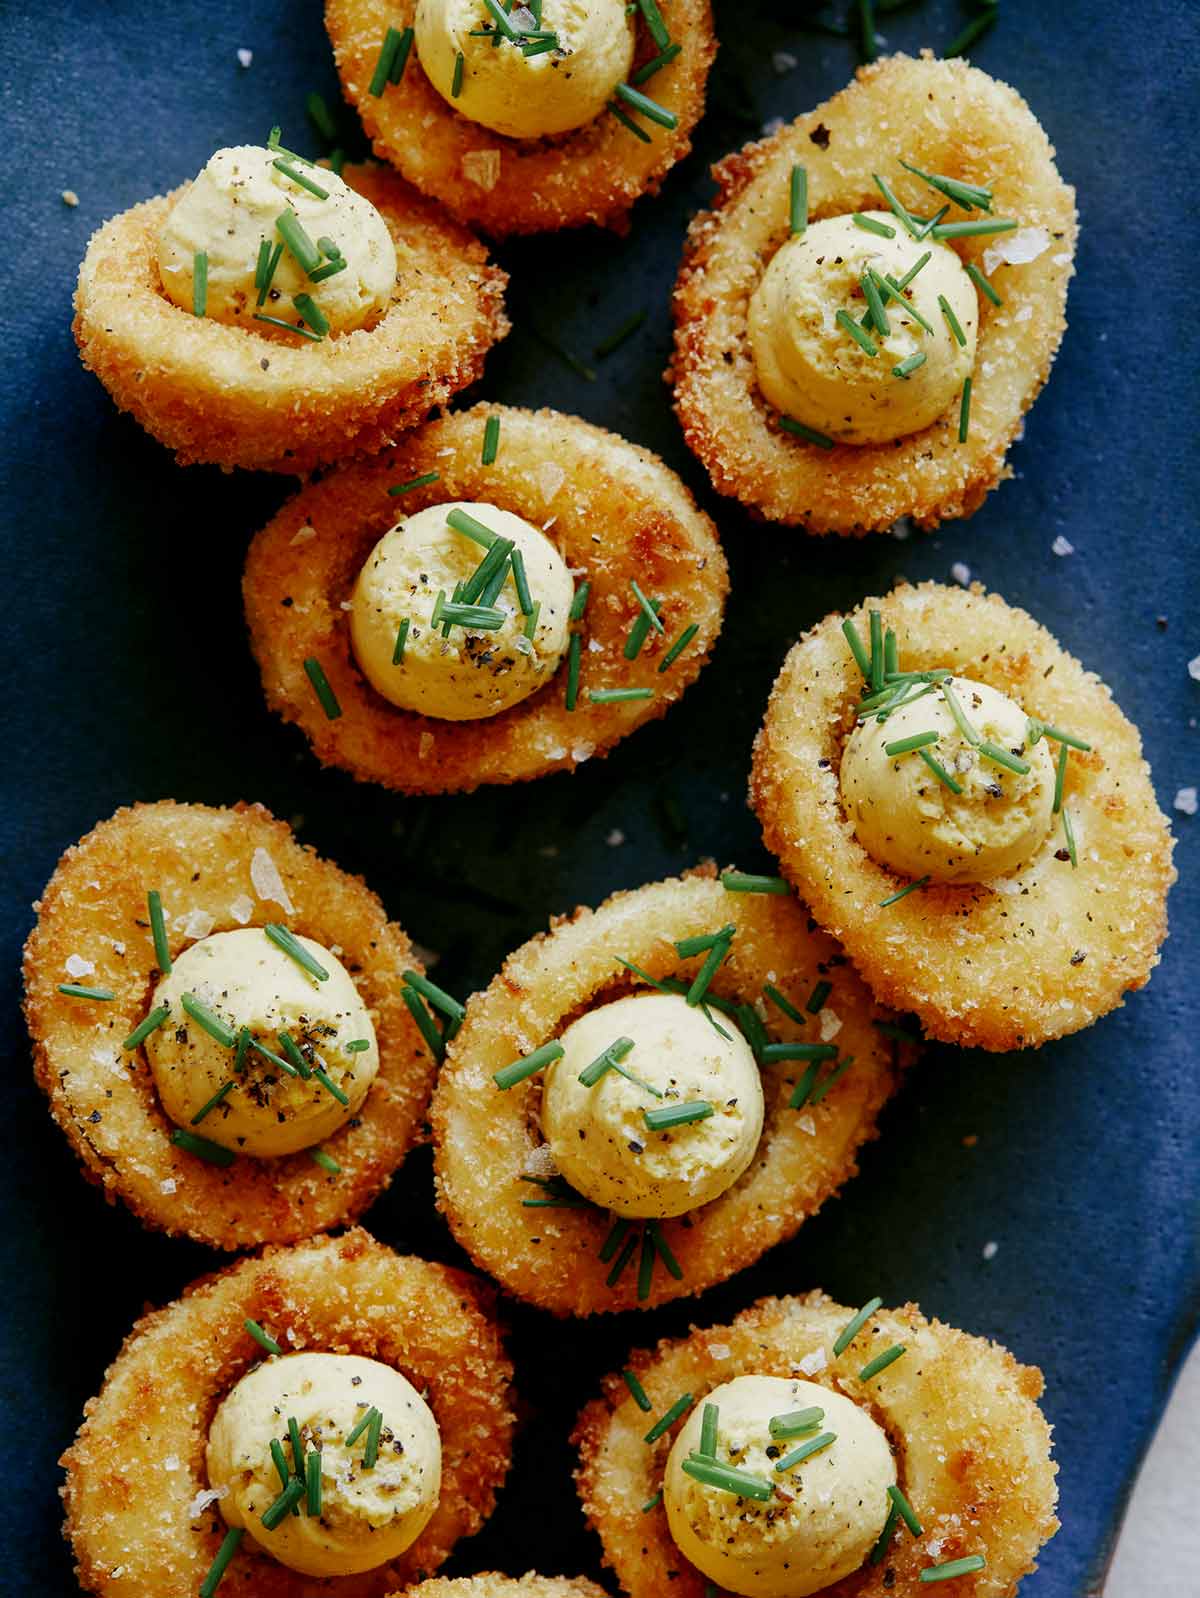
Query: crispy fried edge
x,y
344,1295
592,175
483,1139
652,531
488,1584
77,1055
961,1414
234,397
964,958
992,137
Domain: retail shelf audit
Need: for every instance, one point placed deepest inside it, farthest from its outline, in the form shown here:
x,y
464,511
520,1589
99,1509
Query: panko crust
x,y
972,1447
564,475
231,397
104,1098
134,1523
503,185
491,1585
949,118
1001,966
485,1139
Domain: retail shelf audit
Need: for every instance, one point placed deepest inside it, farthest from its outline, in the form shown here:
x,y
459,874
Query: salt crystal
x,y
814,1362
167,1185
1016,249
172,1462
806,1124
550,478
425,746
830,1024
69,197
197,924
1186,801
206,1496
990,1250
242,909
903,529
783,61
961,573
245,57
582,752
118,946
1194,668
267,883
718,1350
772,126
615,838
1062,546
481,167
303,535
77,966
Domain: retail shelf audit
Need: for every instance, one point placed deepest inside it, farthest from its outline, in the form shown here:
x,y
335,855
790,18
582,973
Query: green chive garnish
x,y
636,1388
384,62
800,1093
302,178
1069,834
491,440
287,940
952,321
664,1423
678,647
771,992
966,1566
230,1544
891,290
456,85
605,1061
710,968
904,746
909,365
877,661
795,1423
881,1362
774,1053
311,313
685,948
650,608
359,1427
654,22
415,482
466,524
864,342
661,1118
964,230
615,340
817,998
510,1075
921,882
206,1019
321,117
475,618
653,1503
885,1536
200,282
331,1086
1002,757
292,232
268,262
982,284
288,327
315,673
640,630
874,303
959,714
645,1275
312,1482
648,107
870,225
1060,776
857,647
437,997
579,602
1036,730
855,1325
325,1161
708,1430
891,652
899,211
616,696
401,641
158,929
798,201
834,1077
283,1505
206,1109
813,1446
748,882
905,1510
940,772
293,1427
646,72
76,990
292,1049
193,1143
151,1023
662,1248
738,1482
924,260
930,223
374,1429
808,434
628,1249
263,1339
969,196
574,656
276,1060
973,30
425,1023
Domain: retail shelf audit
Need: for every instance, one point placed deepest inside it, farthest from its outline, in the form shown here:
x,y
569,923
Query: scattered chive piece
x,y
668,1115
645,1276
709,969
579,602
870,225
325,1161
650,607
909,365
193,1143
312,1482
311,313
748,882
927,227
437,997
302,178
510,1075
885,1536
877,661
285,1066
862,339
1002,757
646,72
399,61
781,1003
816,999
968,196
952,321
973,30
321,118
274,256
230,1544
206,1109
881,1362
1060,776
292,232
874,302
292,1049
640,630
940,772
283,1505
151,1023
263,1339
622,1260
574,653
891,652
813,1446
371,1451
795,1423
708,1430
479,585
384,62
914,269
899,211
612,696
857,647
678,647
804,1087
685,948
835,1076
616,339
665,1421
414,482
982,284
798,201
463,522
158,929
491,440
212,1024
283,938
964,230
775,1052
200,281
401,640
1069,834
330,1086
654,22
955,1567
456,85
738,1482
1036,730
504,27
76,990
648,107
663,1249
866,30
359,1427
288,327
425,1022
855,1325
959,714
605,1061
906,1511
921,882
652,1503
808,434
636,1388
314,671
904,746
293,1427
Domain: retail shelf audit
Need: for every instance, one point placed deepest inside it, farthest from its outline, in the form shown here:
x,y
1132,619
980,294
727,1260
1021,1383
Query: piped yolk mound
x,y
245,980
909,820
599,1135
467,671
810,368
234,205
526,95
824,1514
369,1513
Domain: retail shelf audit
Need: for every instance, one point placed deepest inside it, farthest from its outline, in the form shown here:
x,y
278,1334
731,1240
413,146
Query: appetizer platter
x,y
605,688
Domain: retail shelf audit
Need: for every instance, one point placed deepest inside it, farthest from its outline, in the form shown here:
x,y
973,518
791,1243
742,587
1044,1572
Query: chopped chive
x,y
208,1021
574,654
908,366
645,1275
857,647
475,618
559,1201
952,321
504,26
263,1339
960,716
646,72
648,107
748,882
384,62
531,46
864,342
613,696
771,992
678,647
271,263
814,1445
921,882
616,339
288,327
201,1147
425,1023
870,225
510,1075
963,41
795,1423
655,25
885,1536
855,1325
358,1045
521,581
435,996
904,746
708,1430
150,1023
292,1050
315,673
278,1512
1036,730
685,948
283,938
663,1249
891,652
963,230
277,148
905,1510
302,178
400,59
940,772
1002,757
200,282
293,1427
966,1566
230,1544
330,1086
738,1482
834,1077
881,1362
650,607
463,522
260,268
276,1060
628,1248
371,1451
491,440
923,261
982,284
579,602
774,1053
930,223
665,1421
401,641
891,290
494,564
866,30
311,313
652,1503
325,1161
798,201
662,1118
802,1090
640,630
709,969
808,434
77,990
312,1483
1060,776
875,621
291,231
360,1426
894,206
874,301
968,196
456,84
605,1061
206,1109
638,1391
158,930
321,118
817,998
1069,834
414,482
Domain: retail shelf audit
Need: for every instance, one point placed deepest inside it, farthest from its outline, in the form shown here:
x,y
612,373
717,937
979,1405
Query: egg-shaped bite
x,y
231,396
490,1585
91,969
507,185
1038,951
496,1178
951,121
616,515
140,1525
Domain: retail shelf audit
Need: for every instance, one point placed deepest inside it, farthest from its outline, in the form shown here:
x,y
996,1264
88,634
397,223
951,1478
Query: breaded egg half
x,y
615,512
141,1526
490,1585
230,397
491,1155
947,118
215,870
1000,965
971,1445
505,185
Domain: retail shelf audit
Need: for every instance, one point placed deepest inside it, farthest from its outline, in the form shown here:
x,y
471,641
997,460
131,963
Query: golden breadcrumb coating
x,y
137,1488
614,511
486,1139
972,1447
506,185
947,118
231,397
209,867
490,1585
998,966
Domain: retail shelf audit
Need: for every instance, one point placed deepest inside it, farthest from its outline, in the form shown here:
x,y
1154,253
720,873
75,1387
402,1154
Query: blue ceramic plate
x,y
129,678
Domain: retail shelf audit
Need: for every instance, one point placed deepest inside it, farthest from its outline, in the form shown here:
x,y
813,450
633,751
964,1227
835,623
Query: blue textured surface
x,y
128,677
